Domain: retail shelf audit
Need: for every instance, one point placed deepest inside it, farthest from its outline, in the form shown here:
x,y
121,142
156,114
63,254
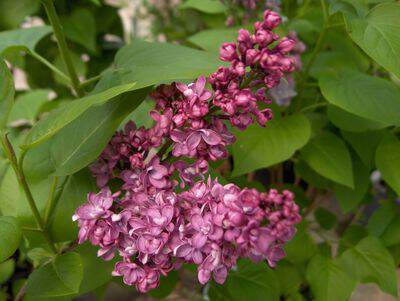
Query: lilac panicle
x,y
154,227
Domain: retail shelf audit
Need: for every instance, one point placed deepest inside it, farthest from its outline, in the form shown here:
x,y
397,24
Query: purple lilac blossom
x,y
151,226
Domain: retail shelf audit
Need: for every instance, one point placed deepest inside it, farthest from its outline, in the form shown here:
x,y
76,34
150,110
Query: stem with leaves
x,y
62,45
18,169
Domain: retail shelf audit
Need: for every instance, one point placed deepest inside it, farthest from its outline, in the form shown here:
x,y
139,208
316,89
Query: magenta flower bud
x,y
286,45
244,36
271,19
230,21
264,37
244,41
252,57
227,52
243,98
238,68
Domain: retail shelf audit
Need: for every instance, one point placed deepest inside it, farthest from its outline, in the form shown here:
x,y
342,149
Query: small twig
x,y
314,203
297,181
21,293
350,221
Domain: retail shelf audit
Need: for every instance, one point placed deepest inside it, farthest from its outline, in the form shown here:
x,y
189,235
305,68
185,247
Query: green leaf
x,y
13,201
296,296
349,198
339,42
328,155
391,236
141,115
80,27
328,281
167,285
364,144
388,161
363,95
381,218
147,64
301,247
10,236
350,122
3,296
27,107
82,141
212,39
96,271
256,282
289,278
219,293
39,256
6,270
331,61
78,185
23,39
369,261
60,277
378,34
205,6
310,176
351,237
258,147
6,93
325,218
318,122
57,119
77,62
13,13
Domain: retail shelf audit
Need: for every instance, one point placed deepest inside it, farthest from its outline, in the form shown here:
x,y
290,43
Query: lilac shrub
x,y
165,211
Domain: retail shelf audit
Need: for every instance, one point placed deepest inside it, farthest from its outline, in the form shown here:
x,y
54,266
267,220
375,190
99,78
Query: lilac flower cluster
x,y
153,227
210,225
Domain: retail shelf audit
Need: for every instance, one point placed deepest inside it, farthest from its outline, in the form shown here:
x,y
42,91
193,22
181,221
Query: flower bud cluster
x,y
257,61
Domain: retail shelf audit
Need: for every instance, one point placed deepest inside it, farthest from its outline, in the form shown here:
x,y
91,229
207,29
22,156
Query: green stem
x,y
396,130
164,148
50,66
62,45
91,80
50,201
54,197
303,9
314,106
316,50
17,166
324,10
